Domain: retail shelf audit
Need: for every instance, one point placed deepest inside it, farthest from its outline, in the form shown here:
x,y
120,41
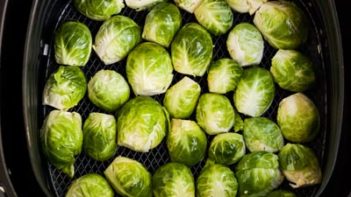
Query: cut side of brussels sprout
x,y
99,10
281,193
139,5
246,6
188,5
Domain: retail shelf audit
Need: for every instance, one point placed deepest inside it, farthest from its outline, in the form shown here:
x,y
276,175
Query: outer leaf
x,y
99,10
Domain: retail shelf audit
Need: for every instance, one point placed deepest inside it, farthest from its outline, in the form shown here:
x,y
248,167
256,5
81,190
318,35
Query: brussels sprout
x,y
258,174
298,118
238,122
129,177
141,124
300,165
188,5
65,88
149,69
262,134
61,139
191,50
245,44
282,24
281,193
173,180
223,76
292,71
100,134
227,148
72,45
244,6
255,92
139,5
90,185
162,23
214,113
99,10
115,38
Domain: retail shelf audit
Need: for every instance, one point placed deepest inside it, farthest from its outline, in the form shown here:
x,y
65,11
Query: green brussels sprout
x,y
227,148
61,139
129,177
65,88
281,193
162,23
292,71
262,134
141,124
149,69
215,15
282,24
223,76
188,5
173,180
246,6
139,5
115,38
72,45
238,122
258,174
255,92
90,185
245,44
298,118
108,90
99,10
100,134
300,165
214,113
192,50
180,99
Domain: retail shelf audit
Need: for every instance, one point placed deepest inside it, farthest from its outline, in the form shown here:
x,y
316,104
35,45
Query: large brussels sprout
x,y
162,23
99,10
139,5
180,99
227,148
292,71
281,193
115,38
61,139
214,113
100,136
255,92
129,177
173,180
238,122
65,88
108,90
244,6
90,185
141,124
188,5
149,69
245,44
298,118
72,45
300,165
223,76
191,50
282,24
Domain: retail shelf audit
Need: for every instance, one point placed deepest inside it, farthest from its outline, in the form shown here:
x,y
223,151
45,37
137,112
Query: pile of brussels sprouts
x,y
246,154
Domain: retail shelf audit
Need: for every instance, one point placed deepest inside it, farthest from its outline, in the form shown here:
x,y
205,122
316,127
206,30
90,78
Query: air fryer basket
x,y
323,47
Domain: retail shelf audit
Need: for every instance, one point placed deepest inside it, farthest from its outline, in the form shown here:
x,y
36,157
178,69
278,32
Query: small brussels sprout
x,y
173,180
298,118
191,50
255,92
149,69
115,38
300,165
99,10
292,71
72,45
188,5
281,193
282,24
61,139
139,5
180,99
90,185
262,134
227,148
141,124
108,90
214,113
246,6
162,23
223,76
129,177
245,44
65,88
238,122
258,174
